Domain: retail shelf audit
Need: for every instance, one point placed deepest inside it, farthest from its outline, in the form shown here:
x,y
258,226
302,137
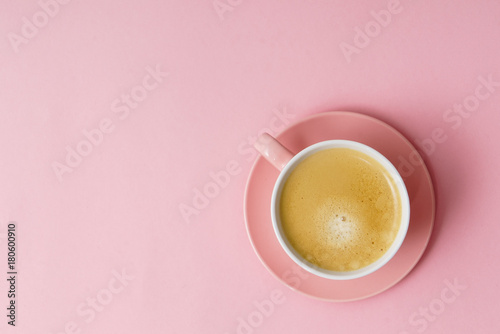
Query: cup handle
x,y
272,150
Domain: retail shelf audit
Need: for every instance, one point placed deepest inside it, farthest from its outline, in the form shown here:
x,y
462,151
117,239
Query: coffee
x,y
340,209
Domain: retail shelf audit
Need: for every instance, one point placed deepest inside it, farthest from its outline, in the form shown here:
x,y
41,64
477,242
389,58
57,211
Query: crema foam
x,y
340,209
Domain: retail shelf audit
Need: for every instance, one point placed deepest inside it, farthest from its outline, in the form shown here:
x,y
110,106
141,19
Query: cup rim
x,y
405,209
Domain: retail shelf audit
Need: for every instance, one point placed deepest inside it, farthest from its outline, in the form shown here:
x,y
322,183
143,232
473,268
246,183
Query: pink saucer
x,y
386,140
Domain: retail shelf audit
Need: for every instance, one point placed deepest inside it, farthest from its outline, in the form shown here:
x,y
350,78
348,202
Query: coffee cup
x,y
339,208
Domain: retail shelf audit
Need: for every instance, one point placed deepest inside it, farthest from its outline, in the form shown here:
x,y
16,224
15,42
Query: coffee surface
x,y
340,209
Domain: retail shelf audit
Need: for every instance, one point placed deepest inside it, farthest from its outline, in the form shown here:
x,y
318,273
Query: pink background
x,y
118,212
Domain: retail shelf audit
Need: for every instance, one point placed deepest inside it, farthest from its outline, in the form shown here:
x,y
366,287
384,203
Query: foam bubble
x,y
342,230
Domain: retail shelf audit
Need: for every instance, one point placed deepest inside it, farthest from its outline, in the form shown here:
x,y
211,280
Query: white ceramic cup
x,y
285,161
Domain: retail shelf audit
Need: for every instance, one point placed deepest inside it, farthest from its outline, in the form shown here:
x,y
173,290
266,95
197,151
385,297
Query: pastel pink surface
x,y
366,130
137,202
